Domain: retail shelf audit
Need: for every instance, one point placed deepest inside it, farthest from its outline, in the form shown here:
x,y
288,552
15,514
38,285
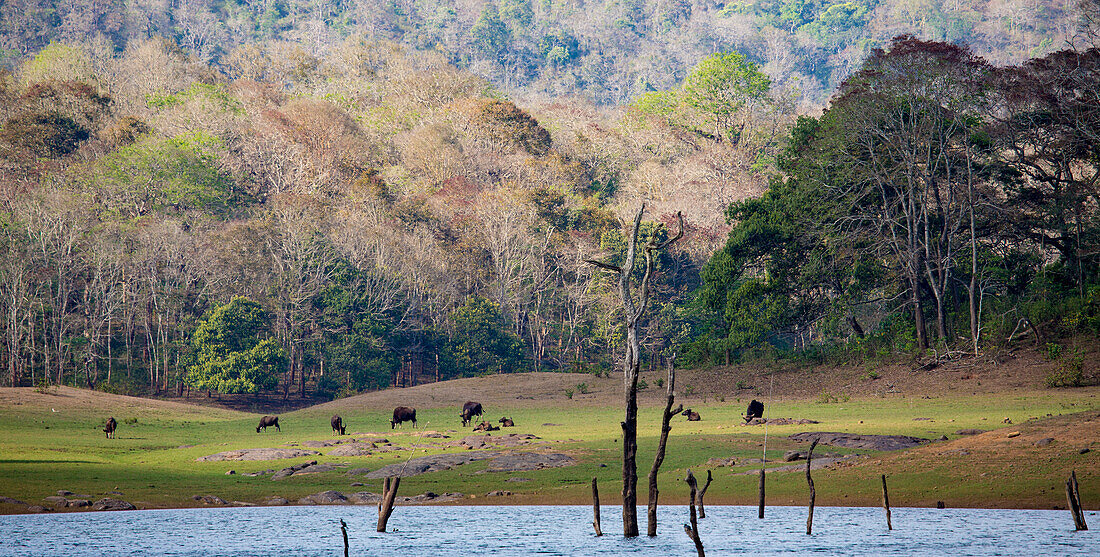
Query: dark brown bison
x,y
486,426
469,410
755,410
506,422
337,425
692,415
403,414
109,427
268,421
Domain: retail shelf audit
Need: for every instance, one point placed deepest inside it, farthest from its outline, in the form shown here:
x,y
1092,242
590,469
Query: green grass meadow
x,y
152,462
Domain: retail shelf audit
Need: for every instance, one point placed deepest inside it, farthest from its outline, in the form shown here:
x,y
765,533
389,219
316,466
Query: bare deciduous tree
x,y
634,310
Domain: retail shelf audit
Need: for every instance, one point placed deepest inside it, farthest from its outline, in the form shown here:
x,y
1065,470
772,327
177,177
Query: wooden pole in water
x,y
596,508
702,492
344,531
385,507
761,490
886,503
692,530
1074,497
813,492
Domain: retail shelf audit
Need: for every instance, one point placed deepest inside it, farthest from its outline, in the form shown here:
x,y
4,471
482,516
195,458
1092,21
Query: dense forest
x,y
609,51
250,213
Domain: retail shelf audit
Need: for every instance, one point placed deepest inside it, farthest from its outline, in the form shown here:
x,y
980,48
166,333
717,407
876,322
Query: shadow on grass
x,y
2,462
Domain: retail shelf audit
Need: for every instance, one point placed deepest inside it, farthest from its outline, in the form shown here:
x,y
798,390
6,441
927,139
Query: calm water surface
x,y
554,530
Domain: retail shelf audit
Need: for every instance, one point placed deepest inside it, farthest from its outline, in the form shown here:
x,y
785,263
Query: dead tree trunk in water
x,y
1074,497
344,531
886,503
385,506
761,490
596,509
692,529
813,492
632,359
702,492
666,418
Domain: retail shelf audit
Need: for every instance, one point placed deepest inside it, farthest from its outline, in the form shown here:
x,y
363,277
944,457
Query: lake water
x,y
542,530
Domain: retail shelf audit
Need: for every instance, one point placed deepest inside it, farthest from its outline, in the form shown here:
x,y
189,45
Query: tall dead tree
x,y
632,359
666,419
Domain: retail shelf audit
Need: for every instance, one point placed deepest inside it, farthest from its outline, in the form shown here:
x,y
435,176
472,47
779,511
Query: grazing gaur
x,y
469,410
755,410
109,427
337,425
403,414
486,426
692,415
506,422
268,421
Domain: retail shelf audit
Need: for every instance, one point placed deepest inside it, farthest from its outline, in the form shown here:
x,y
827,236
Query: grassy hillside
x,y
53,441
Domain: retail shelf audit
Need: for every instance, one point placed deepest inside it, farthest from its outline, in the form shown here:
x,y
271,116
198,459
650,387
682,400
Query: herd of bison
x,y
470,409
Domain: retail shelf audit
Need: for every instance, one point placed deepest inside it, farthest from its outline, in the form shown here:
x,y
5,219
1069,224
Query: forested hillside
x,y
606,50
359,213
380,213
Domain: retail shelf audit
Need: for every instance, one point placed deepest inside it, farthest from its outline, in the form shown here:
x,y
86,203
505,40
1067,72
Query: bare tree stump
x,y
813,492
596,508
344,531
1074,497
692,530
702,492
886,503
761,490
666,427
385,507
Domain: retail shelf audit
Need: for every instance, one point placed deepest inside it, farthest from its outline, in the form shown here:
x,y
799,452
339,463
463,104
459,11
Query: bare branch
x,y
603,265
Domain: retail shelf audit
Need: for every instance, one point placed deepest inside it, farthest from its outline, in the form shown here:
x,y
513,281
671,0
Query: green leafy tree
x,y
784,267
164,175
721,86
482,341
230,354
491,36
359,342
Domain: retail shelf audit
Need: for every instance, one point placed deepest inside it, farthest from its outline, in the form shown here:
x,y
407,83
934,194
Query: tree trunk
x,y
385,506
630,434
813,492
886,503
596,508
666,427
702,492
692,530
632,360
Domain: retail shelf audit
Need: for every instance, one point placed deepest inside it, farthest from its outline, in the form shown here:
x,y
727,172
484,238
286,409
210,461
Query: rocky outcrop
x,y
291,470
210,499
425,464
522,462
856,441
324,498
353,449
256,454
108,504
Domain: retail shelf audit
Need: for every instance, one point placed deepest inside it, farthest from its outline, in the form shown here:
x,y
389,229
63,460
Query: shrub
x,y
48,134
1070,374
